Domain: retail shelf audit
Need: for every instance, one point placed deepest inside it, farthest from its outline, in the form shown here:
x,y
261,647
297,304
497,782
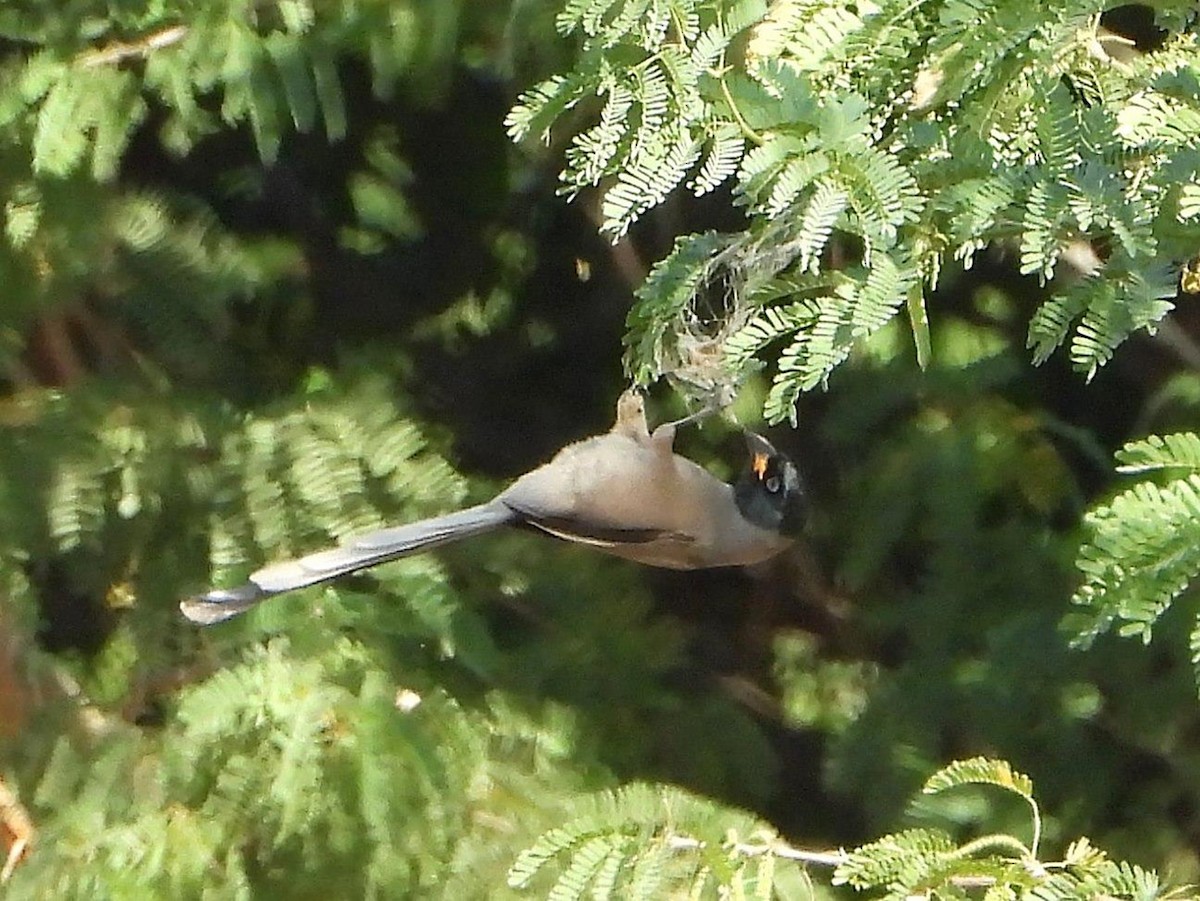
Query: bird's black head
x,y
770,493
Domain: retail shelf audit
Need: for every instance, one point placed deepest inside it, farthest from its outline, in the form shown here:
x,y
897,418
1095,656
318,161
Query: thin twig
x,y
818,858
747,130
121,50
778,849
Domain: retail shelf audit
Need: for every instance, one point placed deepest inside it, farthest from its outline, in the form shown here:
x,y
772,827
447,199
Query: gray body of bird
x,y
625,493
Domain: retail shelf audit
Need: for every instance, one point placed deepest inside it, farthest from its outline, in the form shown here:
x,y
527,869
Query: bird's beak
x,y
761,452
757,444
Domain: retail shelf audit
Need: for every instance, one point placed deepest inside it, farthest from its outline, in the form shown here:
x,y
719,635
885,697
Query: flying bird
x,y
625,492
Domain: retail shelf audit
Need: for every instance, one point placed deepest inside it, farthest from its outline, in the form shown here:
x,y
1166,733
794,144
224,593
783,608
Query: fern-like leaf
x,y
641,841
827,203
1141,552
724,155
586,863
768,325
979,771
737,16
645,183
883,193
895,861
537,109
1051,322
1137,300
1180,450
1189,202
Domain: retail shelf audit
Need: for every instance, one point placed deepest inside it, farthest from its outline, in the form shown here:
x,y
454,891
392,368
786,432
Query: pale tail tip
x,y
220,604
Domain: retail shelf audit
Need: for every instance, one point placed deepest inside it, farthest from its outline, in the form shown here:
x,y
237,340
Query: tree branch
x,y
120,50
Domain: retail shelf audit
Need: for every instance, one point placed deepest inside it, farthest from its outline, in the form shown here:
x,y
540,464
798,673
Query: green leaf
x,y
979,770
296,75
1180,450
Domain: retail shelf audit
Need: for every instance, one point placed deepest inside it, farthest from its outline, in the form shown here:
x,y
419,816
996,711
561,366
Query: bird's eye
x,y
774,483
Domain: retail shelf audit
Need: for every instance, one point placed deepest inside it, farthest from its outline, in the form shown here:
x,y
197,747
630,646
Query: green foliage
x,y
362,753
980,770
644,841
1141,551
110,475
908,138
70,239
76,89
920,862
930,863
271,67
290,772
512,717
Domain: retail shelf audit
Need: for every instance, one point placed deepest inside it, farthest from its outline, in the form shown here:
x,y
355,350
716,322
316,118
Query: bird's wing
x,y
595,535
615,490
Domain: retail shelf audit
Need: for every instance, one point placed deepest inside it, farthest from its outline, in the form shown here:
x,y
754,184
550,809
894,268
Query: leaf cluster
x,y
422,725
649,841
930,863
84,85
292,771
903,139
1140,552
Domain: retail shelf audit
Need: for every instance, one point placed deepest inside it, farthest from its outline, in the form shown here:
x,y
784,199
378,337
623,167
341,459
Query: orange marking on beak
x,y
759,465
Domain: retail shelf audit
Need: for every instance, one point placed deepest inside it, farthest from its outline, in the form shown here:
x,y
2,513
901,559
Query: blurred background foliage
x,y
277,275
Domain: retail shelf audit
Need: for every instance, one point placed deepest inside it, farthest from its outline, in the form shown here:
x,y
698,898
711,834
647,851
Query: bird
x,y
624,492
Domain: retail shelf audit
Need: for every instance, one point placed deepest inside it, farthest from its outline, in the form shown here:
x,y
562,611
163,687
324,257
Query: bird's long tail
x,y
364,551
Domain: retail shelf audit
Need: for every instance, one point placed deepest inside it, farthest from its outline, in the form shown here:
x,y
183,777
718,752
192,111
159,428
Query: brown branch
x,y
16,827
